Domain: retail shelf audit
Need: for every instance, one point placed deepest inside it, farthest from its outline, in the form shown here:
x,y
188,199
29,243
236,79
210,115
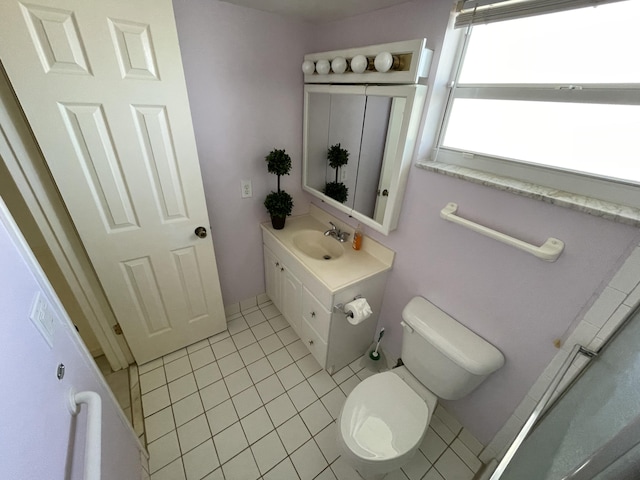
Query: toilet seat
x,y
383,419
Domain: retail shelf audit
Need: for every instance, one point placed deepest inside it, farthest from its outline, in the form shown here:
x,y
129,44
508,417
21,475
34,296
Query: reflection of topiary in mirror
x,y
338,157
336,190
279,204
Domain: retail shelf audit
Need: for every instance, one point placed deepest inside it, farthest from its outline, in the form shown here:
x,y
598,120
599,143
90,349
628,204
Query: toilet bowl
x,y
383,422
385,418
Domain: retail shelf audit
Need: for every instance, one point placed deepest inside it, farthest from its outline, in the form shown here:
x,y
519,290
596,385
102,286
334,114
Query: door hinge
x,y
117,329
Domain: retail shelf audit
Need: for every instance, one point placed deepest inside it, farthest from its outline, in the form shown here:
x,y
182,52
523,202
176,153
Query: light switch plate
x,y
43,318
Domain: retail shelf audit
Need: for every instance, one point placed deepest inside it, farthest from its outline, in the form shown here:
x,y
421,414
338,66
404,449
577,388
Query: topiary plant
x,y
279,204
338,157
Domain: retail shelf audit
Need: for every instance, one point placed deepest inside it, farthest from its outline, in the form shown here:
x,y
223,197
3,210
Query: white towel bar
x,y
549,250
93,442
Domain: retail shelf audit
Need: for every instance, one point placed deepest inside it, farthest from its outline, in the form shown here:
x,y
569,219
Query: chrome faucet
x,y
336,233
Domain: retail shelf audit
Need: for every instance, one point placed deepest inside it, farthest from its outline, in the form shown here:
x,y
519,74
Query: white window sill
x,y
593,206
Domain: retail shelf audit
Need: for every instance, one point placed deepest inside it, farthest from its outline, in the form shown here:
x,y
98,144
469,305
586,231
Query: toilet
x,y
385,418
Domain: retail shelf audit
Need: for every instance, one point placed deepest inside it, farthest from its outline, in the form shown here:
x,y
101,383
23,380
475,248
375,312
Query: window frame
x,y
585,184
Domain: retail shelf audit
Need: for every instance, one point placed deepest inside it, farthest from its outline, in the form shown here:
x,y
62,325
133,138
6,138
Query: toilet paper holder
x,y
339,307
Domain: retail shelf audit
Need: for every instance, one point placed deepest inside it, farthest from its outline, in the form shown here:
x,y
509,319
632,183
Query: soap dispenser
x,y
357,238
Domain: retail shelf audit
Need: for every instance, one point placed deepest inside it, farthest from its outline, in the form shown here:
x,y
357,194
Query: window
x,y
552,99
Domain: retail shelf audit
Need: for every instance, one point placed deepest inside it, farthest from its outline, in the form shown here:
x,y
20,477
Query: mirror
x,y
376,128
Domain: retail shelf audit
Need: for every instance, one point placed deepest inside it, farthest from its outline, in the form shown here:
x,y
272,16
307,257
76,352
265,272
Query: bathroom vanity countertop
x,y
353,266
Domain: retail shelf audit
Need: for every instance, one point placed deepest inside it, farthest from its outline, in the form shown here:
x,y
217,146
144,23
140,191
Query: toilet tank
x,y
447,357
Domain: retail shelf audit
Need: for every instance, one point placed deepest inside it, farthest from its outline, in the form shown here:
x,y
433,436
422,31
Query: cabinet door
x,y
291,299
272,278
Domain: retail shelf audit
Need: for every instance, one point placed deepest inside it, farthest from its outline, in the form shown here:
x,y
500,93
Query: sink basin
x,y
315,245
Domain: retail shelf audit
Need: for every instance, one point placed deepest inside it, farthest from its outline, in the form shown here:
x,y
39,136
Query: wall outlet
x,y
43,317
246,189
343,175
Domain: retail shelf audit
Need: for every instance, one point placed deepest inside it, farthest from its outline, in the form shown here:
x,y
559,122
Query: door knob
x,y
200,232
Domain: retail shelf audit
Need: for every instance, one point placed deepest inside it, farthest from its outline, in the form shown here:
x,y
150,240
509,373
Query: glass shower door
x,y
593,430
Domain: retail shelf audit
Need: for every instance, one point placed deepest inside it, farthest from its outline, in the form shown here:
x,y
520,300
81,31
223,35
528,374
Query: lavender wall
x,y
515,301
245,85
39,437
245,88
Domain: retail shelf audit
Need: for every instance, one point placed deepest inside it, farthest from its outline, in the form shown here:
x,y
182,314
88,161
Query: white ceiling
x,y
317,11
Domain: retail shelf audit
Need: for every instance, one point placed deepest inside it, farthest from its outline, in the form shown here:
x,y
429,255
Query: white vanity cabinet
x,y
309,304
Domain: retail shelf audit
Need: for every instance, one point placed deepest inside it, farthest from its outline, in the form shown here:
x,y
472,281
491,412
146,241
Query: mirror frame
x,y
414,96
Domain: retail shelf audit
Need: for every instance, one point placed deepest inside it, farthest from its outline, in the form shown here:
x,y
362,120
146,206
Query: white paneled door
x,y
102,86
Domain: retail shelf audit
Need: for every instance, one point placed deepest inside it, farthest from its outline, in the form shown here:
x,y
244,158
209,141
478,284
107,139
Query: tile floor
x,y
252,403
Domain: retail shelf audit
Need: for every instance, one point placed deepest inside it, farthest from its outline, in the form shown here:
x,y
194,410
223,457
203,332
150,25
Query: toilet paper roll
x,y
358,311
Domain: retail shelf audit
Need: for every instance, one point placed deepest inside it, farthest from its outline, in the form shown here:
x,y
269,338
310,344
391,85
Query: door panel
x,y
102,86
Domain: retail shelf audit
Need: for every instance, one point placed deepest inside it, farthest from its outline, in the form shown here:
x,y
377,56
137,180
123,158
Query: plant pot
x,y
277,222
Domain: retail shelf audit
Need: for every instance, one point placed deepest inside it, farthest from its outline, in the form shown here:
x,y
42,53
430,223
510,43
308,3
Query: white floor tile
x,y
215,475
322,383
262,299
200,461
268,452
293,434
280,409
269,388
193,433
256,425
344,471
242,467
290,376
230,442
247,401
308,365
297,349
207,375
237,325
308,460
348,385
342,375
326,440
417,466
278,323
231,363
449,465
173,471
466,455
432,445
155,400
147,367
251,354
327,474
152,380
221,417
214,394
238,381
287,335
283,471
433,475
243,339
182,387
223,348
248,304
396,475
187,408
333,402
280,359
219,337
177,368
260,370
202,357
159,424
270,344
441,429
316,417
302,395
163,451
262,330
255,318
270,311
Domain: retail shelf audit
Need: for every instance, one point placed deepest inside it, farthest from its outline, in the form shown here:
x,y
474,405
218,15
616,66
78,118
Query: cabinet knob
x,y
282,269
310,342
313,314
277,264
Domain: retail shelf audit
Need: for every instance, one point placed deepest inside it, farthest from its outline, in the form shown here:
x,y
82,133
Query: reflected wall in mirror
x,y
378,126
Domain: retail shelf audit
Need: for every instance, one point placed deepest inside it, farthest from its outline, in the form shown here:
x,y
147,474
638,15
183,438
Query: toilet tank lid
x,y
451,338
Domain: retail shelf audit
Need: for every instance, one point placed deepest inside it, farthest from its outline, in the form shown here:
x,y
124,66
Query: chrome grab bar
x,y
540,408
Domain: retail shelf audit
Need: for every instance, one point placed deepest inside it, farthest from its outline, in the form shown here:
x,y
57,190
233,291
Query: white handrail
x,y
549,250
93,442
